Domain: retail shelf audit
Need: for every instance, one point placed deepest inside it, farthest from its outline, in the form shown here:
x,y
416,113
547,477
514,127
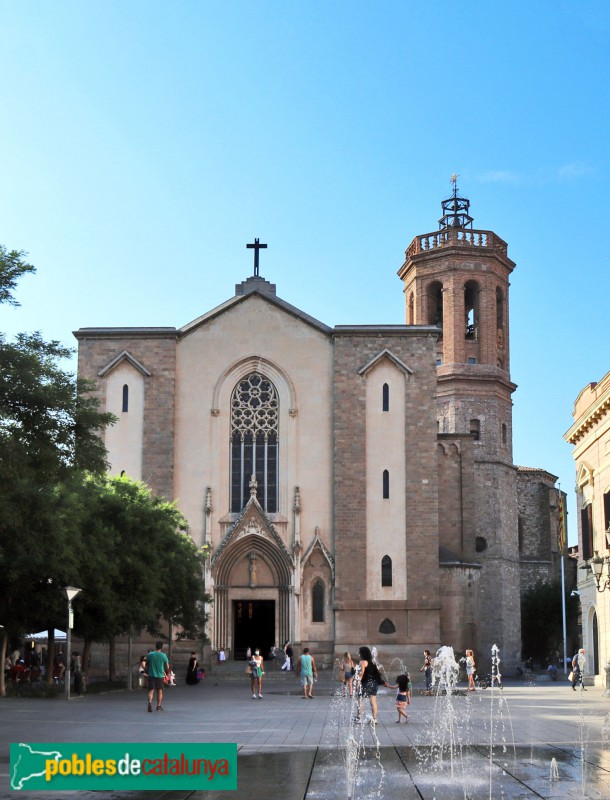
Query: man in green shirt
x,y
306,669
157,665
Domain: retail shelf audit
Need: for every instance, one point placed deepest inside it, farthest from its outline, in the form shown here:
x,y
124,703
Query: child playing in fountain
x,y
403,697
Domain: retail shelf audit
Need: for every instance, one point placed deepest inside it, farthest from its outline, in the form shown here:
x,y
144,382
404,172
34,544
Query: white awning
x,y
60,636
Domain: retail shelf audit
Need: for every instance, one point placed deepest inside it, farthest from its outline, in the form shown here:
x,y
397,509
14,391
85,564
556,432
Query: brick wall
x,y
156,351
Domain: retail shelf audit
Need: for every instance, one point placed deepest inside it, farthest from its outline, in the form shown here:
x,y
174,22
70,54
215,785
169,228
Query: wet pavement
x,y
537,741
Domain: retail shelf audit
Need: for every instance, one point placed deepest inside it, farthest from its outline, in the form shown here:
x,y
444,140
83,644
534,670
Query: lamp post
x,y
602,582
69,593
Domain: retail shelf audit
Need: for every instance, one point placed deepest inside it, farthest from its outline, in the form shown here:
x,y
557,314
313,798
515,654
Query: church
x,y
355,483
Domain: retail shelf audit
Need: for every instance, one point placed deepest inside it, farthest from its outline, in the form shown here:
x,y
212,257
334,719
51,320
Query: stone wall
x,y
416,616
155,350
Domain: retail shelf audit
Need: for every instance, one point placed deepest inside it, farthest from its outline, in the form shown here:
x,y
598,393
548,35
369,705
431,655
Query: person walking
x,y
369,678
157,665
257,674
306,669
288,656
347,667
578,668
403,696
191,670
427,670
470,670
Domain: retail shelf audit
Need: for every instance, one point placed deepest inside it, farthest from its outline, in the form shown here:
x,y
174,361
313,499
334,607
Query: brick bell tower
x,y
458,279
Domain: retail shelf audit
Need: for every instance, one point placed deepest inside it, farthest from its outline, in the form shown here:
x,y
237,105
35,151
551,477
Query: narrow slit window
x,y
317,602
386,571
385,397
386,484
125,406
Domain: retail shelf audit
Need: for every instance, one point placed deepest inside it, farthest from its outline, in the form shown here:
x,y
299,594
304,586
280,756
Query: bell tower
x,y
457,278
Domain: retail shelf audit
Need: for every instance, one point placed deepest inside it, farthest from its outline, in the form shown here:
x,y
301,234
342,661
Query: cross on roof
x,y
256,246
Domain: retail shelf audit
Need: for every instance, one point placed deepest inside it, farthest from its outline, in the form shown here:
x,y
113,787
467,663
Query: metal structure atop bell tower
x,y
455,210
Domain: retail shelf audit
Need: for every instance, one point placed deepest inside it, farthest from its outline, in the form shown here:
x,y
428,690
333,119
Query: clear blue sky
x,y
144,143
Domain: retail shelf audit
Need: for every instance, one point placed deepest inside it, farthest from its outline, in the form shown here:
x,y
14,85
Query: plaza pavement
x,y
293,749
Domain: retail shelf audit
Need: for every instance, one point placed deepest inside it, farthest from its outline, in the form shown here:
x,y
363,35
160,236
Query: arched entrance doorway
x,y
253,626
253,583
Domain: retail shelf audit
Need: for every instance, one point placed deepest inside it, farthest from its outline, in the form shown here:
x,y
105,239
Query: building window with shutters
x,y
586,527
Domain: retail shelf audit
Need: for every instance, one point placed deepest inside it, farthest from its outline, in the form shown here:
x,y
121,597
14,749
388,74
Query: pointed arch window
x,y
386,484
475,429
317,602
254,442
435,304
387,626
471,309
385,397
125,403
386,571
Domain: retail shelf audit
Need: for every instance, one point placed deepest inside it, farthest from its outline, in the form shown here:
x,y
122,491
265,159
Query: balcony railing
x,y
456,237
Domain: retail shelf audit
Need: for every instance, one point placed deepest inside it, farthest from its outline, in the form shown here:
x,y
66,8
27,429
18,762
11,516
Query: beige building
x,y
355,483
590,435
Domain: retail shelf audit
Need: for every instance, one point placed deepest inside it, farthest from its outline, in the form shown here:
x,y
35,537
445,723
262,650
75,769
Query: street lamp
x,y
69,592
597,564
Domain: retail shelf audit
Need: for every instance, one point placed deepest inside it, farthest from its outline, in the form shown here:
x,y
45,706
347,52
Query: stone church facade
x,y
355,483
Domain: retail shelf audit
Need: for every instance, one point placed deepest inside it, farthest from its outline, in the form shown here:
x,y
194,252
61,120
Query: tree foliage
x,y
49,432
62,521
12,267
138,562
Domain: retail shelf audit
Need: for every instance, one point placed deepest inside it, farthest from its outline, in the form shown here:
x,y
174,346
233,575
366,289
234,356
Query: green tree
x,y
12,267
138,564
49,432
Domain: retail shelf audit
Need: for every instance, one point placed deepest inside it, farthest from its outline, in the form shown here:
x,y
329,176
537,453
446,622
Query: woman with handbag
x,y
256,675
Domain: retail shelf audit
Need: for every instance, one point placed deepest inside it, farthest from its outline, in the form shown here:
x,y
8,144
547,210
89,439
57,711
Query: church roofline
x,y
267,297
124,356
537,471
122,333
390,330
379,357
